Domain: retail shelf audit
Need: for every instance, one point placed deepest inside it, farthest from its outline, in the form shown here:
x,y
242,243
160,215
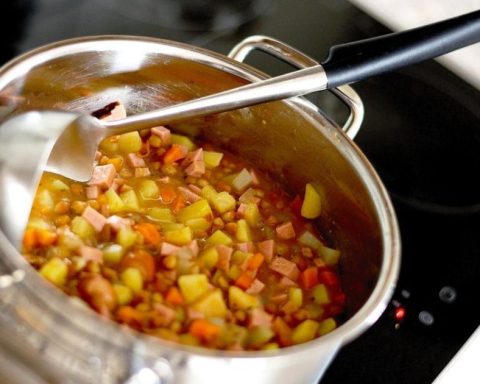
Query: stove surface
x,y
421,133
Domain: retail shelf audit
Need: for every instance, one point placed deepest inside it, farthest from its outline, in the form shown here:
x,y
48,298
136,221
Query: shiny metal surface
x,y
298,59
74,151
289,138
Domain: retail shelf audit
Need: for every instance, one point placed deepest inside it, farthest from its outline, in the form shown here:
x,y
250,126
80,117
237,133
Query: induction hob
x,y
421,133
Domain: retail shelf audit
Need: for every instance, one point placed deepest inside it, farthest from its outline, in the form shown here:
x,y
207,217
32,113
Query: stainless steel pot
x,y
55,338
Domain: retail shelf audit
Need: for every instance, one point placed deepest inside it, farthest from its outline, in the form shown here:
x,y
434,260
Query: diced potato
x,y
44,200
308,239
38,223
130,201
252,215
82,228
209,257
240,300
130,142
242,180
123,294
200,208
182,236
127,237
115,203
312,203
209,193
148,189
109,144
58,185
70,240
219,238
314,311
234,272
161,214
198,225
113,253
183,140
270,347
295,296
238,257
212,159
305,331
193,286
326,326
258,336
55,271
243,233
211,304
329,255
320,294
234,334
133,279
223,202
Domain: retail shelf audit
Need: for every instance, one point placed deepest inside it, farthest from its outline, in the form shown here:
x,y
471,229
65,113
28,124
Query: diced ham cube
x,y
90,254
167,249
267,248
285,267
142,172
135,161
249,197
189,195
319,262
103,176
279,298
286,282
92,192
167,314
164,180
245,247
258,317
241,210
195,189
193,156
255,179
95,218
193,246
163,133
98,155
196,169
224,255
285,231
117,222
256,287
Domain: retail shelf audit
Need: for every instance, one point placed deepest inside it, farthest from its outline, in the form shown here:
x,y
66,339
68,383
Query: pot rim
x,y
354,326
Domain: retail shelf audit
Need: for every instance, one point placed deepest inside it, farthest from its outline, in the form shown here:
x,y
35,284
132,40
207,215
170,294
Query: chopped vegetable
x,y
312,203
186,242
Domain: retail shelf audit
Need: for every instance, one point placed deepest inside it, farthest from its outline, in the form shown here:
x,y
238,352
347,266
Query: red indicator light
x,y
400,313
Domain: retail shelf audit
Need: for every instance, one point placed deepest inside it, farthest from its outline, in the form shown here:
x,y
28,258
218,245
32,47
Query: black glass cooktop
x,y
421,132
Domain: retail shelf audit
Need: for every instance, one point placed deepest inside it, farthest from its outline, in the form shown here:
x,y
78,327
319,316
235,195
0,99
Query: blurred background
x,y
421,133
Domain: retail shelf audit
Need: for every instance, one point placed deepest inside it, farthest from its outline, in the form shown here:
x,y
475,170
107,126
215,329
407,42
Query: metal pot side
x,y
291,139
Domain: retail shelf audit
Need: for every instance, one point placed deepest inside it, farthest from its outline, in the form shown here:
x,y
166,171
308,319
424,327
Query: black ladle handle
x,y
351,62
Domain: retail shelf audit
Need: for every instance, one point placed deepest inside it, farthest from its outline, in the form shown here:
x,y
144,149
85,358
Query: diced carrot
x,y
174,296
167,193
309,277
30,239
244,281
46,238
150,233
204,329
255,261
178,204
328,278
130,316
174,153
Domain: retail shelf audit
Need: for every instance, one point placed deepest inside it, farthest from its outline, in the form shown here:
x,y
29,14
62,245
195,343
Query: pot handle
x,y
294,57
